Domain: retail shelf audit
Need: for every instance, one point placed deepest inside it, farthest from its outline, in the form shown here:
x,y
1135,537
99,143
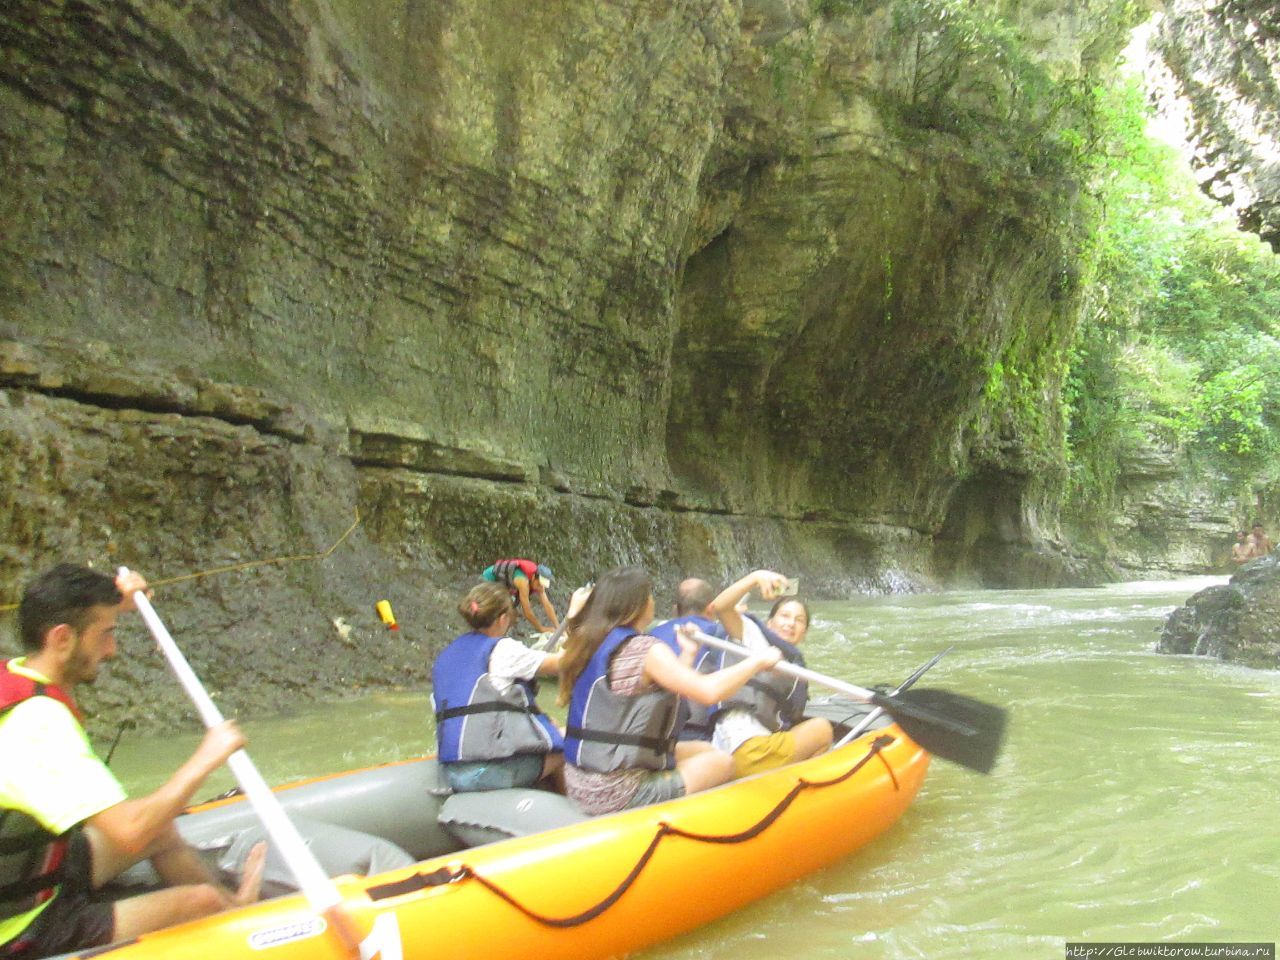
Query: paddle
x,y
875,714
320,891
949,725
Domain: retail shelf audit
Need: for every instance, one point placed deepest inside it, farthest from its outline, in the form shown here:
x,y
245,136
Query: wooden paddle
x,y
320,891
949,725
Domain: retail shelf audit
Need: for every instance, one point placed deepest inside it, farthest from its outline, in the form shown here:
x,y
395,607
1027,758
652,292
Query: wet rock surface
x,y
1238,622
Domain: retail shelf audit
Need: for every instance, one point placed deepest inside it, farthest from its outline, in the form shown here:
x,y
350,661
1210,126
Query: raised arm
x,y
725,605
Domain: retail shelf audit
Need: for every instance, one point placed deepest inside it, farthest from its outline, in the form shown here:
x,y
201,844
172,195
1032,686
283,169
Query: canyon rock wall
x,y
1219,61
701,285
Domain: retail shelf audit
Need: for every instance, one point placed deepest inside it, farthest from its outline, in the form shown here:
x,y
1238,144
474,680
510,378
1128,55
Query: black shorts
x,y
74,920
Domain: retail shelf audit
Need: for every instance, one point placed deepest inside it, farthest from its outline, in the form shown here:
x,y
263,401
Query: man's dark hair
x,y
692,598
64,594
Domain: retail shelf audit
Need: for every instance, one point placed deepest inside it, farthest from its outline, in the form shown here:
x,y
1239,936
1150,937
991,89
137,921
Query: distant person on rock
x,y
1261,543
1242,549
66,826
489,731
763,725
524,578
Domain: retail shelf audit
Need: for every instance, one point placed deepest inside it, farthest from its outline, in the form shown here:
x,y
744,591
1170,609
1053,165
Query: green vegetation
x,y
1179,343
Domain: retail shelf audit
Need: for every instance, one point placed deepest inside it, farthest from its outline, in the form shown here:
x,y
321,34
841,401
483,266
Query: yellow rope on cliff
x,y
240,566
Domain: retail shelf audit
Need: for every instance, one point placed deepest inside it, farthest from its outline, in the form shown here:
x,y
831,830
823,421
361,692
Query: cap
x,y
544,572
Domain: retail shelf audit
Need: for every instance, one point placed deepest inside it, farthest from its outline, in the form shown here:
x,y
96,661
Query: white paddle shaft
x,y
738,650
314,882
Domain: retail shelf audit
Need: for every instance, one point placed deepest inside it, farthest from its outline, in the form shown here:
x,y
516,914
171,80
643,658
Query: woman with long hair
x,y
622,688
765,727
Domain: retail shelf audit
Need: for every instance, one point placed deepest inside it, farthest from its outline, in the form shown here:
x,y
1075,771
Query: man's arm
x,y
132,826
522,588
548,609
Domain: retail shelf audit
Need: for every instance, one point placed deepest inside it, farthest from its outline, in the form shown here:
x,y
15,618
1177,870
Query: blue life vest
x,y
473,720
610,731
694,721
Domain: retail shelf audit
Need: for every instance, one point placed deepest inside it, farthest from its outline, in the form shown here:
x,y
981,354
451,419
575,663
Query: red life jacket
x,y
16,687
504,571
32,860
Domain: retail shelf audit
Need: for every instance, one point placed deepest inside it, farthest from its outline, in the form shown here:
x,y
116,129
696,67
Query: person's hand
x,y
767,659
685,634
770,584
128,584
578,600
218,744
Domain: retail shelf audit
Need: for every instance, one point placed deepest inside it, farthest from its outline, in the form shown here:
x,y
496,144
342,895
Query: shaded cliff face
x,y
678,283
1223,70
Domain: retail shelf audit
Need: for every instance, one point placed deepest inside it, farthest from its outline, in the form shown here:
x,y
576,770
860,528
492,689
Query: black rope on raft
x,y
664,830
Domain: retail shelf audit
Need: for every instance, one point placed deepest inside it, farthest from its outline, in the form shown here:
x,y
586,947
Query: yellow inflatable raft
x,y
590,887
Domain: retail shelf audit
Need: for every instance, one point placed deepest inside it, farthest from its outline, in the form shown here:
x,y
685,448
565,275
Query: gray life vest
x,y
610,731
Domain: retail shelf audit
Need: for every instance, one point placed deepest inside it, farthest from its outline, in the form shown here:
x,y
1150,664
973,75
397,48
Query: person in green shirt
x,y
66,825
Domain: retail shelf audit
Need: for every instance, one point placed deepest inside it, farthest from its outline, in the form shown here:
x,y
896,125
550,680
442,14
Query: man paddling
x,y
66,825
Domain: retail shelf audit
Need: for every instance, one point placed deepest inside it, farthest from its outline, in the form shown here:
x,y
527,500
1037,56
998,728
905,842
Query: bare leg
x,y
812,737
152,911
691,748
705,768
196,894
553,767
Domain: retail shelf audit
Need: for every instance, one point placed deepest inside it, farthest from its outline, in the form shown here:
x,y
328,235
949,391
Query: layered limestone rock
x,y
1221,67
702,285
1170,518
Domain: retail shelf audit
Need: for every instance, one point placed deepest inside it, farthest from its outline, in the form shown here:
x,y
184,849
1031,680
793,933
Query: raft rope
x,y
247,564
445,875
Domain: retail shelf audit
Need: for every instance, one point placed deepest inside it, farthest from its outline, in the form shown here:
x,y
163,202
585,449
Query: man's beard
x,y
81,670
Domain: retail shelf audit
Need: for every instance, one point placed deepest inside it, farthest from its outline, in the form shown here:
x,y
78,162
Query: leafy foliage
x,y
1179,344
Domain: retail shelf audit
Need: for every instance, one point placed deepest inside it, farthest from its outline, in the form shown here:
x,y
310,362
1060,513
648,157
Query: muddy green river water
x,y
1136,798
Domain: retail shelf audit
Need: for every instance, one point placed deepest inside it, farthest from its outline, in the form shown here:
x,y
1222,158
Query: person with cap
x,y
523,578
66,825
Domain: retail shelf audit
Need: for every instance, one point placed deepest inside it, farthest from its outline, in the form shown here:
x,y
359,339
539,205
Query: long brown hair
x,y
619,596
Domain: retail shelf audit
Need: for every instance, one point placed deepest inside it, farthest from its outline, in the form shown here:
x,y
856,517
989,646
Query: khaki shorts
x,y
764,753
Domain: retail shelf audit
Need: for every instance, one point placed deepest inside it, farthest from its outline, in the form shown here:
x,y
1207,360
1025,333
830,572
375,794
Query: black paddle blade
x,y
950,725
